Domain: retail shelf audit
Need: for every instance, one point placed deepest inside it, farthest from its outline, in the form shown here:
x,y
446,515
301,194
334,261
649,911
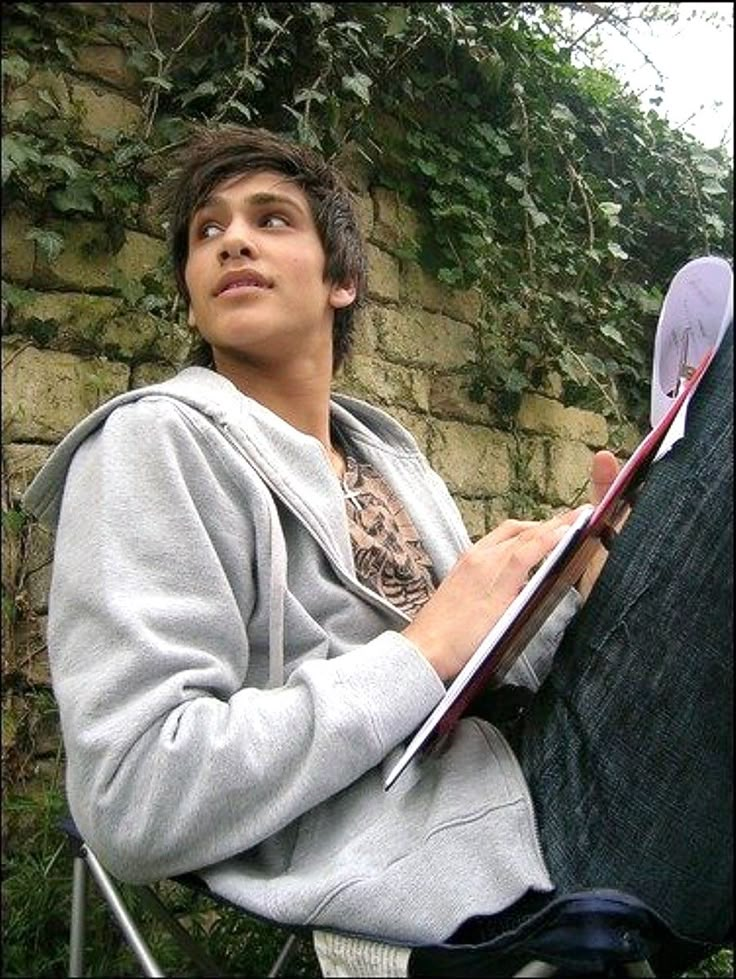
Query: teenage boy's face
x,y
255,272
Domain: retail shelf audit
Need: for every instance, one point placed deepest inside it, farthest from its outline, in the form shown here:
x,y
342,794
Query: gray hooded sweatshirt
x,y
231,696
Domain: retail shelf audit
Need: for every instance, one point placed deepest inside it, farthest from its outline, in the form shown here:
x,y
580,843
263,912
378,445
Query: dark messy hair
x,y
213,155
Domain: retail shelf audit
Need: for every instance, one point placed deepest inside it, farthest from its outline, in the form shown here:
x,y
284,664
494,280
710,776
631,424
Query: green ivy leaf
x,y
64,163
76,196
613,334
426,166
324,11
13,521
51,243
707,166
15,296
16,67
397,20
616,250
562,114
516,182
359,84
159,82
712,188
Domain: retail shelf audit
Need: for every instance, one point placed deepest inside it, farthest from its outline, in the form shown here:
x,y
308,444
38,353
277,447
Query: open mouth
x,y
241,281
242,287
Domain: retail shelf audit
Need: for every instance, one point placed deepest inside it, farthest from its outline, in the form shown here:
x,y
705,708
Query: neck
x,y
298,392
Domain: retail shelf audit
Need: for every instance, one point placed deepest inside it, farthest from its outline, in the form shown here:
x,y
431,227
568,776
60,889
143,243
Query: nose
x,y
236,241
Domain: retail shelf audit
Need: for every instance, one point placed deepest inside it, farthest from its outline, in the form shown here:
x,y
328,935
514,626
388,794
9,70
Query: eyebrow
x,y
261,198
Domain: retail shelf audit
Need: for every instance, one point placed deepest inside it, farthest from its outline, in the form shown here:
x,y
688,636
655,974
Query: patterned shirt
x,y
389,556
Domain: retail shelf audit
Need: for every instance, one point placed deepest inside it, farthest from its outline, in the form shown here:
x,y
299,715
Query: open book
x,y
564,565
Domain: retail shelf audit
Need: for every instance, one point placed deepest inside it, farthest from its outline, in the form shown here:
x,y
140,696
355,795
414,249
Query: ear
x,y
191,320
342,295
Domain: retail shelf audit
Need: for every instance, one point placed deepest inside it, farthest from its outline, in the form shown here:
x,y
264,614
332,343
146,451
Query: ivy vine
x,y
545,185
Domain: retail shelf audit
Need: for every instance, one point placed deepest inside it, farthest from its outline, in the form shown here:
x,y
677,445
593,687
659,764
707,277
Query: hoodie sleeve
x,y
176,760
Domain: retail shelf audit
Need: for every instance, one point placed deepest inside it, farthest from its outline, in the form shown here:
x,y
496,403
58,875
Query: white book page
x,y
494,636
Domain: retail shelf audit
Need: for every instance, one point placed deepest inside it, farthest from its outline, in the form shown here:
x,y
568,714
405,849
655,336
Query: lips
x,y
241,279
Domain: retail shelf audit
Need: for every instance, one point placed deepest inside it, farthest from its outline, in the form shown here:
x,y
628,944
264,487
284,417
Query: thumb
x,y
604,470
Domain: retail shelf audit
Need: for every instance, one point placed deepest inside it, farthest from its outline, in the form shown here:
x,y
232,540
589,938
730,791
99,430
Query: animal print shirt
x,y
389,556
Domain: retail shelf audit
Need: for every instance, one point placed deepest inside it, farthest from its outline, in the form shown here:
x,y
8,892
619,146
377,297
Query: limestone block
x,y
106,62
448,398
25,98
473,513
419,288
21,463
140,254
538,414
104,114
32,655
46,392
497,510
395,224
86,263
81,323
354,167
18,251
569,473
463,304
151,220
364,208
624,438
40,555
379,380
423,338
365,330
383,274
473,460
415,424
150,373
529,462
552,386
173,339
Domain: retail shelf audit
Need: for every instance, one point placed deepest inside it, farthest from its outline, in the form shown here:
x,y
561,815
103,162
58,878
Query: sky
x,y
696,60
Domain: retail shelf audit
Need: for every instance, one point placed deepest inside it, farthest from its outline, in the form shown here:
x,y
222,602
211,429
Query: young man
x,y
260,591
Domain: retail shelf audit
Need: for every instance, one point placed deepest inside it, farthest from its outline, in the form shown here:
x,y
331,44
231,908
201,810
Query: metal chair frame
x,y
629,959
85,865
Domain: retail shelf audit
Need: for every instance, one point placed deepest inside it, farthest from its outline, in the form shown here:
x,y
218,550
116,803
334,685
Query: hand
x,y
604,470
472,598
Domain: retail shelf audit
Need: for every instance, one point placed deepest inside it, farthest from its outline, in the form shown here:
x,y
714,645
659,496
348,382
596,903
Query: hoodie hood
x,y
290,462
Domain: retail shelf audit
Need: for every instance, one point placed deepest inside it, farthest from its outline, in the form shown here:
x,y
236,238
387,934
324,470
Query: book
x,y
559,571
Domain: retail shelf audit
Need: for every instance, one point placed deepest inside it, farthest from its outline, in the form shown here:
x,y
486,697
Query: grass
x,y
36,907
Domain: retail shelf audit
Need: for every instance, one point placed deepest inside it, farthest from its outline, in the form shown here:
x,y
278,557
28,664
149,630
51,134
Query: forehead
x,y
261,185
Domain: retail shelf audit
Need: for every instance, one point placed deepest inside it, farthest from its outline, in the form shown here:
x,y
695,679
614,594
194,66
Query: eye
x,y
275,221
209,229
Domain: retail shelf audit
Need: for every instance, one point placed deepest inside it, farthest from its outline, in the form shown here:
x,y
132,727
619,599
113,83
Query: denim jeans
x,y
627,747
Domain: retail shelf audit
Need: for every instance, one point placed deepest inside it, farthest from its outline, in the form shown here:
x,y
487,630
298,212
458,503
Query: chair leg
x,y
198,956
78,921
537,970
642,968
283,957
130,931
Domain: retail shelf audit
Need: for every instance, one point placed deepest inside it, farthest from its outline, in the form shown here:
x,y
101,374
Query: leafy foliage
x,y
545,185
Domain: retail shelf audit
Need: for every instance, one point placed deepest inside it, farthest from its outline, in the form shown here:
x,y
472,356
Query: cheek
x,y
191,279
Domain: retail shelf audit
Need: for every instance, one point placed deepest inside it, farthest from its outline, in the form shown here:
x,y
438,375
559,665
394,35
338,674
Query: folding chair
x,y
596,932
85,864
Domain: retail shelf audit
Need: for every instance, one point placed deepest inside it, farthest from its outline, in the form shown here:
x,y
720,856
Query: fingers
x,y
510,529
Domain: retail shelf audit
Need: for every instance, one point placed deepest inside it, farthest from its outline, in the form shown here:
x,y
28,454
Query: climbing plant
x,y
545,185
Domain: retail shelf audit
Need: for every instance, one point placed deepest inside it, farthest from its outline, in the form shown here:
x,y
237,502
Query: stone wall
x,y
75,344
